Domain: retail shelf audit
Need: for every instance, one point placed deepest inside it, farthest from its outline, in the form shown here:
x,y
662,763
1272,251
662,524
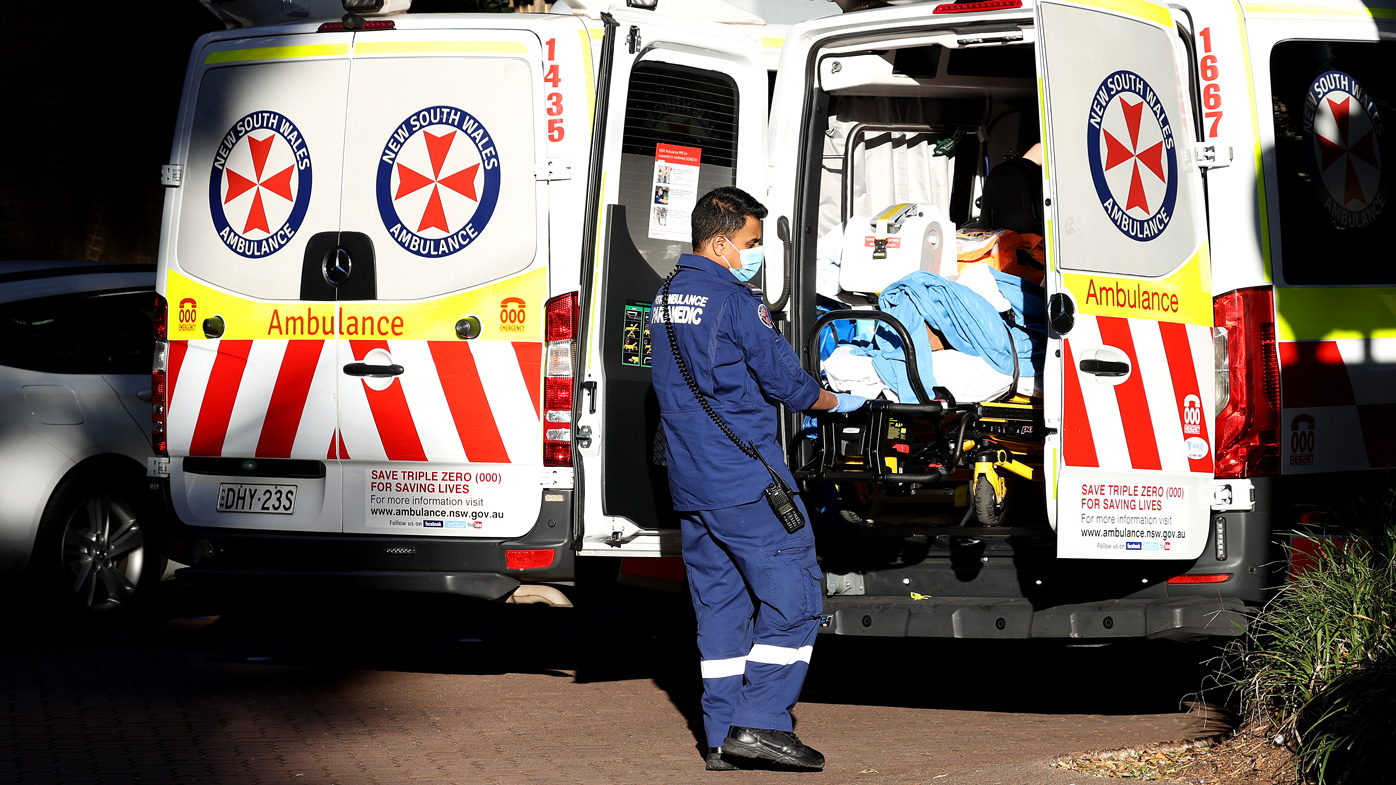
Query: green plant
x,y
1317,671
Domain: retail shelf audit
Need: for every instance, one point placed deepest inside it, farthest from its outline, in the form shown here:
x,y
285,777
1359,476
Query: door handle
x,y
1104,367
590,389
378,371
144,395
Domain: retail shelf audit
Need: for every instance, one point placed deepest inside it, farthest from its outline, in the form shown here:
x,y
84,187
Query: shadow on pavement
x,y
198,665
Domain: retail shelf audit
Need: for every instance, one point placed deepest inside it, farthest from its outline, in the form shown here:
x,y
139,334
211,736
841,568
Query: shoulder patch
x,y
765,316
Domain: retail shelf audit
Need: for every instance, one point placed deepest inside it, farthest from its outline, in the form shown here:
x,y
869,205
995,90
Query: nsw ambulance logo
x,y
438,181
259,188
1132,156
1344,131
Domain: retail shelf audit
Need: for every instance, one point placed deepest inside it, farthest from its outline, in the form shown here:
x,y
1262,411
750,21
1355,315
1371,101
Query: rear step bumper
x,y
258,559
485,586
1175,618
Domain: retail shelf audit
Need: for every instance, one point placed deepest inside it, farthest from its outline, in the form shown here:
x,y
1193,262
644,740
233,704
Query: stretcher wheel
x,y
853,508
986,507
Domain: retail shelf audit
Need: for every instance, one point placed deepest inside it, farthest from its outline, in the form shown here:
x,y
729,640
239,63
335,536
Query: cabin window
x,y
1331,100
679,108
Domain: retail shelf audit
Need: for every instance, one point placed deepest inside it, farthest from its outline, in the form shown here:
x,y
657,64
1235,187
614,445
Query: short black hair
x,y
723,211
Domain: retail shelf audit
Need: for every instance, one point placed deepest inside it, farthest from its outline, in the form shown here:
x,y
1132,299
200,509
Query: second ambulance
x,y
407,260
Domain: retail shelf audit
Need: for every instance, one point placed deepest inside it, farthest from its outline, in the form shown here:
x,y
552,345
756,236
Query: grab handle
x,y
377,371
1104,368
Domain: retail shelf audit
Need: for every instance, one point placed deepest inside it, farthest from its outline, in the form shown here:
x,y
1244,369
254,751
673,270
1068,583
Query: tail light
x,y
159,389
1248,384
532,559
558,379
961,7
365,25
1221,577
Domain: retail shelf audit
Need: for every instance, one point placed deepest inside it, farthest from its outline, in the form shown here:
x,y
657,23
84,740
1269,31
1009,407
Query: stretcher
x,y
967,454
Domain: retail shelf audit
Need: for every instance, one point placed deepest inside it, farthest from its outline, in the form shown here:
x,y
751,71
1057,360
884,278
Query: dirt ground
x,y
1240,758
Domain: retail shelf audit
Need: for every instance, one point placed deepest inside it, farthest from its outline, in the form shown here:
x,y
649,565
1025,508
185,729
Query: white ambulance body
x,y
408,272
1219,358
374,243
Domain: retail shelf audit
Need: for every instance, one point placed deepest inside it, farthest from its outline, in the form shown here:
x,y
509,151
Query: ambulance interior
x,y
929,269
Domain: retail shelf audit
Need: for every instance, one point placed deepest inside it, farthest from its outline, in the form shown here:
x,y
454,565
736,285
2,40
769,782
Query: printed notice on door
x,y
675,192
1109,515
635,341
471,501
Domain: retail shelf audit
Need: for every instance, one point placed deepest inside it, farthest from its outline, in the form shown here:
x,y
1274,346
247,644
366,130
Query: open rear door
x,y
1130,285
685,112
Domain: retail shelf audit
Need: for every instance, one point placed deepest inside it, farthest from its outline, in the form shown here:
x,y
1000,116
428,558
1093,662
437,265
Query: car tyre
x,y
95,553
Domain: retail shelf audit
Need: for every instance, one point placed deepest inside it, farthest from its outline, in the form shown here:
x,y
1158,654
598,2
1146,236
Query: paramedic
x,y
757,591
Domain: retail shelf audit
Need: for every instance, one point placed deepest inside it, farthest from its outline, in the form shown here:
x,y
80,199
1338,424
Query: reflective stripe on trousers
x,y
733,555
760,653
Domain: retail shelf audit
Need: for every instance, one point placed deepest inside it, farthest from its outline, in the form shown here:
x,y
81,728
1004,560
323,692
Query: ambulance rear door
x,y
441,316
683,111
251,382
1131,398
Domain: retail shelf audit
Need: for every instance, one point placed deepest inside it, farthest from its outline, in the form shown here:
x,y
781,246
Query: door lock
x,y
214,326
469,327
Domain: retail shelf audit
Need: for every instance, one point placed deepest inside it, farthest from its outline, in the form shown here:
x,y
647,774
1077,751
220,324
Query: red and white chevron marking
x,y
1139,423
455,402
1341,396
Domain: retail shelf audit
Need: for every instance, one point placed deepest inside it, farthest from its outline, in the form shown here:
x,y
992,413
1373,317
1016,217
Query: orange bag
x,y
1023,255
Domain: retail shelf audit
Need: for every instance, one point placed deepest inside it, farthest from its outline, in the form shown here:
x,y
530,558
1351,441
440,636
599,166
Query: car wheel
x,y
94,551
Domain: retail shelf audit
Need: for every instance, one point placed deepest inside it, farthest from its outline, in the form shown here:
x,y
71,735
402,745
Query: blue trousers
x,y
758,593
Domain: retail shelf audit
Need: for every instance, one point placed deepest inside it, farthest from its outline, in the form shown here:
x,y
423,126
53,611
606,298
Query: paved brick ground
x,y
403,690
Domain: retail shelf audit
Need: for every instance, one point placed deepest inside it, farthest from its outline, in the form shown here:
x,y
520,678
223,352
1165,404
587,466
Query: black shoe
x,y
715,761
782,748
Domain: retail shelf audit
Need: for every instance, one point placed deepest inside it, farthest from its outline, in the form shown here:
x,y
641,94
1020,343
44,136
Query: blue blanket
x,y
967,321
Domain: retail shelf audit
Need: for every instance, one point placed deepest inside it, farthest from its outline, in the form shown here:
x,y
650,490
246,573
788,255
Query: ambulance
x,y
407,265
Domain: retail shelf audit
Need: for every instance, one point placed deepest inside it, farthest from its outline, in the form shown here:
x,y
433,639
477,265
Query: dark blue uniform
x,y
756,588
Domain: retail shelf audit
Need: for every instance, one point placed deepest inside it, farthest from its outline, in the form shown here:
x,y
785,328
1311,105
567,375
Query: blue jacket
x,y
968,323
742,366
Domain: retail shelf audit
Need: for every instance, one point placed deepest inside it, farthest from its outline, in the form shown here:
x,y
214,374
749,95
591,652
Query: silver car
x,y
75,353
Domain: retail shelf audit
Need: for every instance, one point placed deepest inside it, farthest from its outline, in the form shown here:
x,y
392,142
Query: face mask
x,y
751,259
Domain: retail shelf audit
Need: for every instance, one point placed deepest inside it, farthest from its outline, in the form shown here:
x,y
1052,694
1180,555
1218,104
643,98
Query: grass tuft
x,y
1317,670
